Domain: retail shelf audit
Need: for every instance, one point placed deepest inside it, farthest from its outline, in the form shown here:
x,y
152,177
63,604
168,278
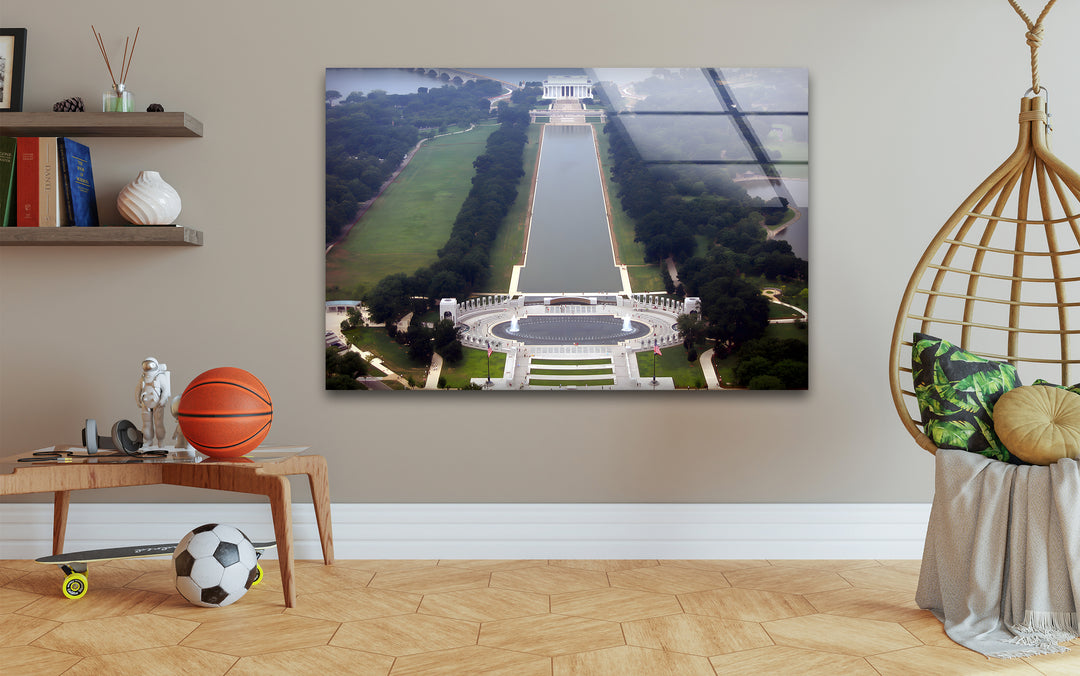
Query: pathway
x,y
434,371
711,381
772,294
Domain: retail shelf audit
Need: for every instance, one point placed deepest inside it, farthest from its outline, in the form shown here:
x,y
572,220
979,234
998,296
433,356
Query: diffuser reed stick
x,y
119,99
123,76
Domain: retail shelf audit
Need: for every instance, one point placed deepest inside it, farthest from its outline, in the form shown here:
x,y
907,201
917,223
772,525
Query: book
x,y
77,180
7,180
27,181
50,198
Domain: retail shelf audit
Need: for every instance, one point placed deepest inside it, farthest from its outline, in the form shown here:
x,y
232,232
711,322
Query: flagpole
x,y
489,362
654,362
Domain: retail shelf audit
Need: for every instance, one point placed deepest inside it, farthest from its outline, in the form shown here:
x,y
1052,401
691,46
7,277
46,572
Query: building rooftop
x,y
567,79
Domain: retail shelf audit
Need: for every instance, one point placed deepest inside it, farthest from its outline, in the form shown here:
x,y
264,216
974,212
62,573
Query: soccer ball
x,y
215,565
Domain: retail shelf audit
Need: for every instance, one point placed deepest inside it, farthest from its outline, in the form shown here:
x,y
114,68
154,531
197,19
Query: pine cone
x,y
72,105
155,108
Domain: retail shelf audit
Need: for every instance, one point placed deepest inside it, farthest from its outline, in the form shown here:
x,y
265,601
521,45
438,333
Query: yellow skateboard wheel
x,y
75,586
258,575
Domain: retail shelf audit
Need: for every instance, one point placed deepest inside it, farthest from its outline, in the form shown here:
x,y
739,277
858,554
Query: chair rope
x,y
1034,38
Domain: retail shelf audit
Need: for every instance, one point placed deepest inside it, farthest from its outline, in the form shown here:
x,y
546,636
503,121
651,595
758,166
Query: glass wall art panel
x,y
567,229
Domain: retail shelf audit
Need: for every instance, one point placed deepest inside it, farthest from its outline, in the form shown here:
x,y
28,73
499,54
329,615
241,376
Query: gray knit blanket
x,y
1001,564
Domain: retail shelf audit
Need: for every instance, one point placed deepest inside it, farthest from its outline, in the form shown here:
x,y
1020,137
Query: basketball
x,y
225,412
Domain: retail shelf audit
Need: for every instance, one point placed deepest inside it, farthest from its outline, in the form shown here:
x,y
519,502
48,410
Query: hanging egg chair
x,y
1001,279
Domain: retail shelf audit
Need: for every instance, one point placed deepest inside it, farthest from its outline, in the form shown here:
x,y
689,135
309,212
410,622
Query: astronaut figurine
x,y
180,444
153,396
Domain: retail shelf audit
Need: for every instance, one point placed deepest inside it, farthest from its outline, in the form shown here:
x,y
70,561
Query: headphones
x,y
125,437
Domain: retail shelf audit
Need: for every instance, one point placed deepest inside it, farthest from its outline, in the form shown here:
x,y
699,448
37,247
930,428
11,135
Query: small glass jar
x,y
117,100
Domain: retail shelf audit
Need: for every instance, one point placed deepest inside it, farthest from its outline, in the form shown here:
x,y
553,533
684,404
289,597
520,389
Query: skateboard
x,y
75,564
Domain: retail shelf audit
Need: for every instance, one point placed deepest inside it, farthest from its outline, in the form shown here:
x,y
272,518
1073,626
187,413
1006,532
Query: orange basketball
x,y
225,412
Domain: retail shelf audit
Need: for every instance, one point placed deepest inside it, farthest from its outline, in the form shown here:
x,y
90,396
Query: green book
x,y
7,180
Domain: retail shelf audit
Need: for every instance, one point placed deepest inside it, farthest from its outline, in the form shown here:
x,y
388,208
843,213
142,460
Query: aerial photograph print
x,y
567,229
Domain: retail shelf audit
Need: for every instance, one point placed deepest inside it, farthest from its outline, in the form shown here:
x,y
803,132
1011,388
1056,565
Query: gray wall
x,y
912,105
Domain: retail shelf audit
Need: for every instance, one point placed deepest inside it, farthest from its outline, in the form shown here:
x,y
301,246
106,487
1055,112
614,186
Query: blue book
x,y
78,181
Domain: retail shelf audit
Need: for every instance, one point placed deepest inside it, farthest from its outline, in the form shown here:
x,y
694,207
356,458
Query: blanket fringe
x,y
1048,649
1042,632
1049,624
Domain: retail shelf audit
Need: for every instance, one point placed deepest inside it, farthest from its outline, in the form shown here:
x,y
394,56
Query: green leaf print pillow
x,y
1072,388
956,391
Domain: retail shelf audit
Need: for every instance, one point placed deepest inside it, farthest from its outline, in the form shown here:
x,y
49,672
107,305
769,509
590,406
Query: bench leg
x,y
320,500
61,500
280,494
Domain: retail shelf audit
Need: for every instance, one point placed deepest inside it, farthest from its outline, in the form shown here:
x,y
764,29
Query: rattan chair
x,y
1002,278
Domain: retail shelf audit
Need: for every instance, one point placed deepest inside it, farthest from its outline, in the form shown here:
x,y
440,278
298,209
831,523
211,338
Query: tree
x,y
785,360
669,283
443,333
452,352
337,381
795,374
734,309
351,363
766,383
748,369
691,327
389,300
332,95
343,369
353,319
420,349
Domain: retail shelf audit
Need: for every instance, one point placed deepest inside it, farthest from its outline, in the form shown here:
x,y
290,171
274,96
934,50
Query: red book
x,y
27,181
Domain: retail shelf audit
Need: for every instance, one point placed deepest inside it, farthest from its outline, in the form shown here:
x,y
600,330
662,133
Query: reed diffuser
x,y
119,99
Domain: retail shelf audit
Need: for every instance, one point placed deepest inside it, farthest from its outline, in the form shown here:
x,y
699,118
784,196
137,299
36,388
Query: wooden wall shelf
x,y
101,124
122,235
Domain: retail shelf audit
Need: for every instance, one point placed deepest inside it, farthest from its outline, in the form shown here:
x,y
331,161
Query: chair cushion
x,y
1039,424
956,391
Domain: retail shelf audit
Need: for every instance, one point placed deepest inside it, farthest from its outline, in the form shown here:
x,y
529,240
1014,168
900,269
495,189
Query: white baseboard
x,y
504,531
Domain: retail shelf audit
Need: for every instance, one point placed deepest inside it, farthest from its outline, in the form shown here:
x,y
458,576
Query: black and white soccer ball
x,y
215,565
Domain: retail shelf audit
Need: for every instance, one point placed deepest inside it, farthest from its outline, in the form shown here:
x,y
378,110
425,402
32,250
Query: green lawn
x,y
393,355
703,245
645,278
570,362
672,364
783,331
473,365
725,370
570,383
404,229
777,311
572,372
789,293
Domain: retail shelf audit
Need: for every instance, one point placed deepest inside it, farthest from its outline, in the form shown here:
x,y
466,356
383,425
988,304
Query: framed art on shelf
x,y
634,229
12,65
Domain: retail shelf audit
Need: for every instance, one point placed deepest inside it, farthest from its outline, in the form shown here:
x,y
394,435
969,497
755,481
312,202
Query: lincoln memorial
x,y
567,87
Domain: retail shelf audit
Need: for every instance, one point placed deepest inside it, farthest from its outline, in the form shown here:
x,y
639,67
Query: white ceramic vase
x,y
149,200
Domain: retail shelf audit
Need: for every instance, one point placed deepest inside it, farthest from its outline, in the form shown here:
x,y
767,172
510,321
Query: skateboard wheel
x,y
258,575
75,586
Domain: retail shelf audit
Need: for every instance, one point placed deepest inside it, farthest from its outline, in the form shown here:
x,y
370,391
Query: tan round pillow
x,y
1039,424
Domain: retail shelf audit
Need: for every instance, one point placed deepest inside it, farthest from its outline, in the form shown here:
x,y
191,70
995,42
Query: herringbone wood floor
x,y
515,618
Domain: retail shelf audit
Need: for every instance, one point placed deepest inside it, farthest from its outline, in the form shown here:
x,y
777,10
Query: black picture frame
x,y
12,68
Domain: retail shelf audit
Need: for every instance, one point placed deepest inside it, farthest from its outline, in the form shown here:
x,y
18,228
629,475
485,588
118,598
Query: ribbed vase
x,y
149,200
